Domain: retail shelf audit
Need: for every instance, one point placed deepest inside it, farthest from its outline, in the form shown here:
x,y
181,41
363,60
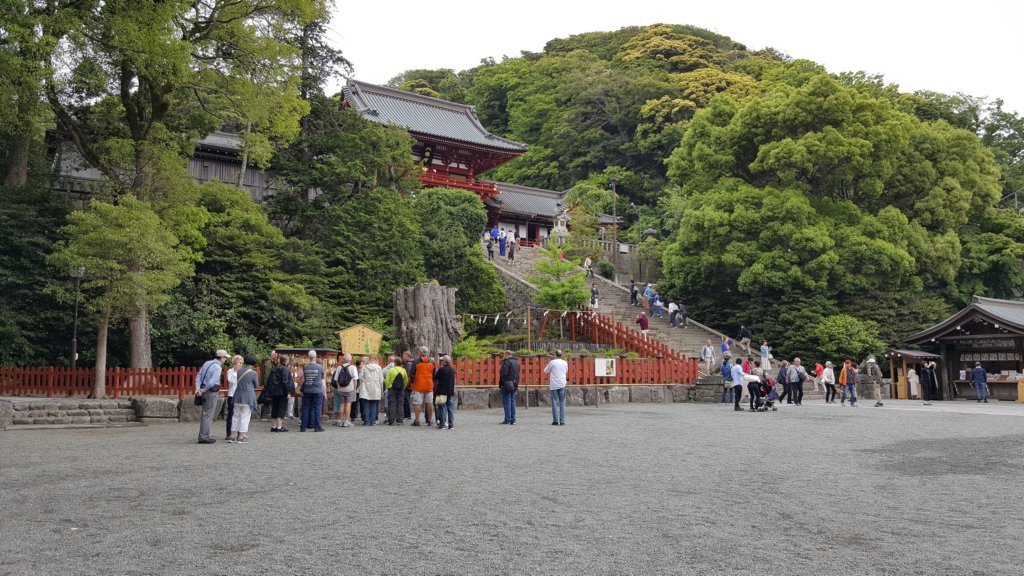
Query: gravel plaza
x,y
621,489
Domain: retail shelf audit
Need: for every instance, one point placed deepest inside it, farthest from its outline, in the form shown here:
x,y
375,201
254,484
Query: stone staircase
x,y
27,413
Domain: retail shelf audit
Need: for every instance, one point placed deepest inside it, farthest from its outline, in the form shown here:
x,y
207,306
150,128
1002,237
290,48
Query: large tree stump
x,y
425,316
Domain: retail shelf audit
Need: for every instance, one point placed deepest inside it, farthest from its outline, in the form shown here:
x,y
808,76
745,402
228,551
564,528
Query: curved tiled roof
x,y
424,115
1008,315
526,201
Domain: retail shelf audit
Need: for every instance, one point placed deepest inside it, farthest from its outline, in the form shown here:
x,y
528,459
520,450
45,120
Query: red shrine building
x,y
453,149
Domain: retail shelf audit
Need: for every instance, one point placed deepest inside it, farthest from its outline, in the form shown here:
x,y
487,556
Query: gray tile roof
x,y
1008,314
526,201
423,115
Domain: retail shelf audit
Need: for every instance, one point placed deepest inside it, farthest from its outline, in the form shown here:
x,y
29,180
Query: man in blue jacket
x,y
208,386
979,379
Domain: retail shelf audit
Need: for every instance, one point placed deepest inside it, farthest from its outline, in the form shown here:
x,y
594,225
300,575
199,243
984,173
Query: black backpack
x,y
342,380
399,382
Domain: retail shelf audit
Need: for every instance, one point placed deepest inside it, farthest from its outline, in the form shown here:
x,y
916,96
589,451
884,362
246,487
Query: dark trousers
x,y
797,391
737,392
508,403
786,393
229,409
356,409
753,388
395,399
672,319
830,392
312,404
406,402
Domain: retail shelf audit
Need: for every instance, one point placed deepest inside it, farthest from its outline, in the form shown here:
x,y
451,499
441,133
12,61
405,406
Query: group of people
x,y
407,387
649,300
505,241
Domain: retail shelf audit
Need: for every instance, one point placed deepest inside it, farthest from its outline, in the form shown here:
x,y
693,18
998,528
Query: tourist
x,y
490,250
633,293
423,388
558,372
727,381
682,316
245,400
746,365
444,394
409,364
848,380
208,387
593,295
818,371
343,390
874,375
588,265
229,401
314,388
508,382
280,388
494,233
754,383
651,294
797,374
659,306
384,374
745,337
783,378
726,348
644,323
512,250
737,385
828,378
929,384
502,243
371,388
707,356
766,355
979,381
395,382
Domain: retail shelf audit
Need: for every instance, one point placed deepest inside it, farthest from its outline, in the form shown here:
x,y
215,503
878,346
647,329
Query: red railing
x,y
483,372
52,382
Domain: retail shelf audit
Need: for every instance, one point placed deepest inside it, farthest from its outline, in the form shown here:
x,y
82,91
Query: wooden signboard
x,y
359,340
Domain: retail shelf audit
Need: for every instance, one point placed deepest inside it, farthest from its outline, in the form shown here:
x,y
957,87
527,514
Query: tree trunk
x,y
141,350
425,316
17,161
100,385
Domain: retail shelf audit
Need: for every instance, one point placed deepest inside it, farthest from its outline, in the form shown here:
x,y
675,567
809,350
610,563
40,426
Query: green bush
x,y
606,269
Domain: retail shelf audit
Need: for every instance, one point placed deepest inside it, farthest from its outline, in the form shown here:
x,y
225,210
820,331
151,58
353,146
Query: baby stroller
x,y
766,396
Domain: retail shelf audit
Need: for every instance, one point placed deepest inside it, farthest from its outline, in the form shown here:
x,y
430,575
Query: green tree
x,y
560,281
842,336
128,258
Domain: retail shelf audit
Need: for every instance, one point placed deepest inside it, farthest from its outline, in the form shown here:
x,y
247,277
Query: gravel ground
x,y
622,489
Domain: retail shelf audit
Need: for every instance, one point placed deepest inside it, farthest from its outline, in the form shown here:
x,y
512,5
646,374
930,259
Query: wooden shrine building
x,y
989,331
452,147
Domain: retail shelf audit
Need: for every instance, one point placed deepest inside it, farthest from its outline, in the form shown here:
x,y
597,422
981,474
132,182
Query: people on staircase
x,y
673,311
644,323
707,356
744,338
634,291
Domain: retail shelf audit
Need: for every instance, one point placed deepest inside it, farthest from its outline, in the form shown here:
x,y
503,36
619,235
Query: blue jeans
x,y
852,391
508,402
726,391
312,404
371,409
446,413
981,390
558,405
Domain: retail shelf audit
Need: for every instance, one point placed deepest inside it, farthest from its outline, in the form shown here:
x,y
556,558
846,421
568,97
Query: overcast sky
x,y
974,46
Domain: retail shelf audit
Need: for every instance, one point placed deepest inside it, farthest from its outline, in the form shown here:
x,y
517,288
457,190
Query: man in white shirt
x,y
346,377
558,372
737,383
708,357
673,309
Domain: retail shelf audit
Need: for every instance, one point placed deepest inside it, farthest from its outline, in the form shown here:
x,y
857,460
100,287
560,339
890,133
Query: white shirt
x,y
673,307
232,382
828,376
737,375
559,370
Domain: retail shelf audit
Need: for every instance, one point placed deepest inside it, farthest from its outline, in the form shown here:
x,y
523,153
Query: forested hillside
x,y
827,209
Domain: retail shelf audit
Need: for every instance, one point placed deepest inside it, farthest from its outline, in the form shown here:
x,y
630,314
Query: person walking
x,y
828,378
848,380
229,401
245,400
783,378
644,323
682,316
707,356
745,337
874,375
588,265
797,374
593,295
444,394
279,388
737,384
490,250
558,375
929,386
633,293
423,388
508,382
395,383
673,312
659,306
766,355
753,381
371,388
979,381
502,243
512,250
818,371
726,381
208,387
314,388
344,384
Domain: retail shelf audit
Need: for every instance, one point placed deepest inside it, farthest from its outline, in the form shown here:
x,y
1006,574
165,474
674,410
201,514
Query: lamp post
x,y
649,233
77,273
615,229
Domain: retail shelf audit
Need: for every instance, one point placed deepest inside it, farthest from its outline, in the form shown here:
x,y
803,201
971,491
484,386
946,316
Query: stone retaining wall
x,y
480,398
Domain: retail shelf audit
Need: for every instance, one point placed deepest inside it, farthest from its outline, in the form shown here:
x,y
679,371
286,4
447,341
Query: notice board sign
x,y
604,367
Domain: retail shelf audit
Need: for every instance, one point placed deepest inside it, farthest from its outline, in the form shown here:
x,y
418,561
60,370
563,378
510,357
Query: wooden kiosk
x,y
989,331
900,362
